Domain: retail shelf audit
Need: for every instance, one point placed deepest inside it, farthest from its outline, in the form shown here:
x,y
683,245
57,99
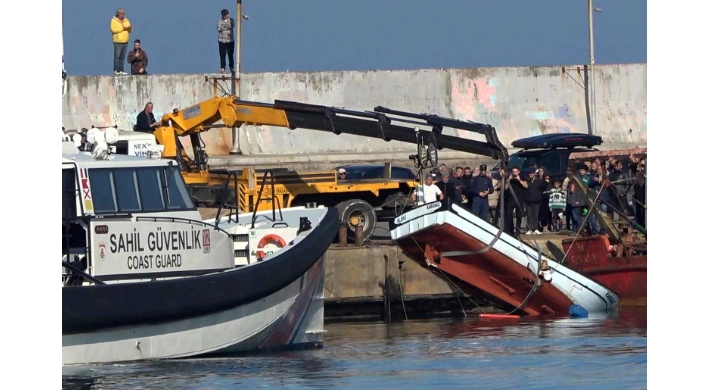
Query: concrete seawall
x,y
519,102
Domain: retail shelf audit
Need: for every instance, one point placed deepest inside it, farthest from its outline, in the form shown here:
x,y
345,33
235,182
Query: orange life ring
x,y
269,238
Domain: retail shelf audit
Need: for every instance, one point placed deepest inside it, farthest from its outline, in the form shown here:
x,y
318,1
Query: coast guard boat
x,y
144,278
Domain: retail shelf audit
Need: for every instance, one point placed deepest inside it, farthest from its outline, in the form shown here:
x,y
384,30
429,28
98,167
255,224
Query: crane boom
x,y
384,123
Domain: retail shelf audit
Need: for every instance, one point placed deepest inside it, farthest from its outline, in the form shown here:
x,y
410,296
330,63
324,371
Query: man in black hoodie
x,y
533,197
519,185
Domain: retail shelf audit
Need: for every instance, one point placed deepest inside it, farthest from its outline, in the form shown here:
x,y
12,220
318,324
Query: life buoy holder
x,y
267,239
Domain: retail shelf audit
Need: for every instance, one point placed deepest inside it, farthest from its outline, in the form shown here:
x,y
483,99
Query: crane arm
x,y
384,123
393,125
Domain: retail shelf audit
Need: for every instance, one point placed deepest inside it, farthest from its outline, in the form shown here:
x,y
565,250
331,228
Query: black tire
x,y
357,208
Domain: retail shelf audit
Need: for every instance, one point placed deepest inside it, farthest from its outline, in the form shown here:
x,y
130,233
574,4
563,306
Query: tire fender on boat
x,y
269,238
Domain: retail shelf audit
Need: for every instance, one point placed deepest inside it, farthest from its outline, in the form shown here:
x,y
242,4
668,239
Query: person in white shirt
x,y
428,192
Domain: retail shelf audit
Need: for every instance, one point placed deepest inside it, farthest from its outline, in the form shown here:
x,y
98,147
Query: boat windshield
x,y
138,190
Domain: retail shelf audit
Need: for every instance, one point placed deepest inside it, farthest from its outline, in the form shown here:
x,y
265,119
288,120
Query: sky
x,y
326,35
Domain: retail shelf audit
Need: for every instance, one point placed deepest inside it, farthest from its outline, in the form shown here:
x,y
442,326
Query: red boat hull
x,y
497,275
625,275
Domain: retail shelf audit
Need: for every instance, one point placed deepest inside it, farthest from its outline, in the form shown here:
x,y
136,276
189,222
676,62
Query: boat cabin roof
x,y
72,155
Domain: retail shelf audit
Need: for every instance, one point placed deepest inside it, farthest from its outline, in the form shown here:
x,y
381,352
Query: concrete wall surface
x,y
359,273
519,102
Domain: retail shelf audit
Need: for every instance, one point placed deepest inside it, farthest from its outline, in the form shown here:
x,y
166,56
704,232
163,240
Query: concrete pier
x,y
519,102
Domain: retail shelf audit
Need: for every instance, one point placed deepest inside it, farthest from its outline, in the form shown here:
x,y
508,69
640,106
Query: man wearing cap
x,y
427,192
225,37
481,187
342,174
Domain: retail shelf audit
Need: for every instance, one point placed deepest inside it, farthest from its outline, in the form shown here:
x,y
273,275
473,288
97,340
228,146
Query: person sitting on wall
x,y
145,121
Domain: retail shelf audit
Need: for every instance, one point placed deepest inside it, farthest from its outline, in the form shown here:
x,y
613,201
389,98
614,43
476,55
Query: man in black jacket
x,y
533,197
456,187
145,121
519,186
481,186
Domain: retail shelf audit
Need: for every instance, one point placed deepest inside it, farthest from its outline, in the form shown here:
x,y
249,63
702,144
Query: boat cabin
x,y
128,217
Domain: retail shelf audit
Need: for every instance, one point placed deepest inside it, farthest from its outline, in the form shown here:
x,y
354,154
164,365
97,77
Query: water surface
x,y
591,353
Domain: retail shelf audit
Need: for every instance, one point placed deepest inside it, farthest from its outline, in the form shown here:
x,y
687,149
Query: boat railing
x,y
275,201
183,220
269,174
224,195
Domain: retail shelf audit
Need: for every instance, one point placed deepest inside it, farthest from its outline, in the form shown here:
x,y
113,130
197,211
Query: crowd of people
x,y
553,204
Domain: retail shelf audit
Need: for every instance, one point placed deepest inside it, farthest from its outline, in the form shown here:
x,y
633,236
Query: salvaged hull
x,y
448,237
625,275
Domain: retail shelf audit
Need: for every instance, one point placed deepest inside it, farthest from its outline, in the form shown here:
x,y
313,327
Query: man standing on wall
x,y
225,37
138,59
121,29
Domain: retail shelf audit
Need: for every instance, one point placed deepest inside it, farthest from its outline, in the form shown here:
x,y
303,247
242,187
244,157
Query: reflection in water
x,y
470,353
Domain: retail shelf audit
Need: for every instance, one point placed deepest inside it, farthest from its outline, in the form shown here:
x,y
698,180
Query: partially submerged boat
x,y
514,274
446,236
144,278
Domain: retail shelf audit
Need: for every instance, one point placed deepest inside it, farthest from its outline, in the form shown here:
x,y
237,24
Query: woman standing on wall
x,y
225,37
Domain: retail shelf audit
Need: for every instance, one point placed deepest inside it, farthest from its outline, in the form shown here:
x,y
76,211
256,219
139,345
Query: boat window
x,y
132,190
126,190
177,192
150,189
102,191
121,147
68,194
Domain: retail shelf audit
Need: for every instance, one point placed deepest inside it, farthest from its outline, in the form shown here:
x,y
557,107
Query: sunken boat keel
x,y
453,240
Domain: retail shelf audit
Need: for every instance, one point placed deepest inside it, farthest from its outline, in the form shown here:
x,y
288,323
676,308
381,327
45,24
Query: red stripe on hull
x,y
626,275
492,271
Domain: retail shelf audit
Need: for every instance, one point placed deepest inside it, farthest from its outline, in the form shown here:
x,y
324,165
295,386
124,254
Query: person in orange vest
x,y
121,29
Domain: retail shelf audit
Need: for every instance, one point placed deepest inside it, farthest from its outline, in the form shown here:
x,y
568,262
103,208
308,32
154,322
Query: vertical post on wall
x,y
592,81
236,77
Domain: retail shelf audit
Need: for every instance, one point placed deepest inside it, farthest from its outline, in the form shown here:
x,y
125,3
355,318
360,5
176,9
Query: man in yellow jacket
x,y
121,29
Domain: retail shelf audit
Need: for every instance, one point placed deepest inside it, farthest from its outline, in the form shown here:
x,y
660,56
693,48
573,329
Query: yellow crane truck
x,y
358,201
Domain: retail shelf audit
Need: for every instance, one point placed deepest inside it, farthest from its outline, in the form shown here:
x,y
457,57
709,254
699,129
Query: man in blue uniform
x,y
481,187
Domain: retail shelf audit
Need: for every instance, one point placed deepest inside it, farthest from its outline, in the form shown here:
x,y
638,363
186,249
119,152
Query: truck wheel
x,y
355,212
